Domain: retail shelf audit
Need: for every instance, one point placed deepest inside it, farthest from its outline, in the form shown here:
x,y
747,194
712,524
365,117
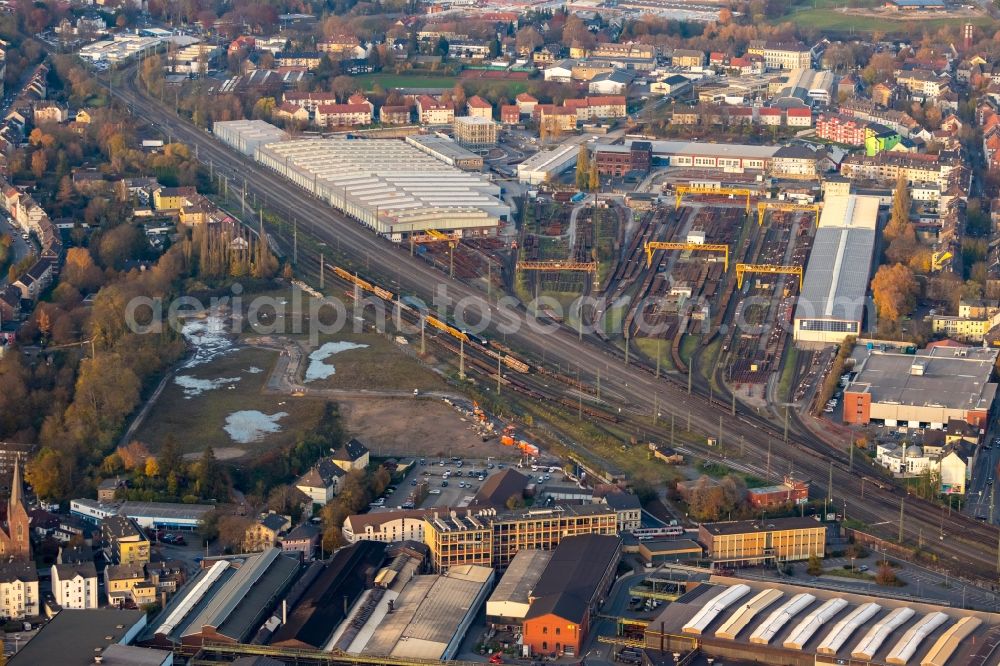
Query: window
x,y
557,633
545,630
545,645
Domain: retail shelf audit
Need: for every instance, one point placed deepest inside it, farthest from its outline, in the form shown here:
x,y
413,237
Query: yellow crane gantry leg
x,y
762,207
652,246
742,269
681,190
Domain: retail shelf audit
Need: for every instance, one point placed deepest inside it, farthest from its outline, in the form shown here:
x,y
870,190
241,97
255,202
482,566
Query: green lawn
x,y
391,80
825,15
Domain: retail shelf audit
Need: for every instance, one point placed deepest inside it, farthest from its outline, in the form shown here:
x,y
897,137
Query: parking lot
x,y
453,482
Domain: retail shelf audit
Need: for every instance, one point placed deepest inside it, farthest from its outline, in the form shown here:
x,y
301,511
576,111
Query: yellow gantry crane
x,y
762,207
578,266
434,236
652,246
742,269
681,190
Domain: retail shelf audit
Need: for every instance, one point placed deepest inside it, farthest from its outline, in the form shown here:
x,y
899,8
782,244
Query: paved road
x,y
20,248
974,550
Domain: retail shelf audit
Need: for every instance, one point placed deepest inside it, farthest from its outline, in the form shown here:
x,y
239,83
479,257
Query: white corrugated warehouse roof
x,y
836,278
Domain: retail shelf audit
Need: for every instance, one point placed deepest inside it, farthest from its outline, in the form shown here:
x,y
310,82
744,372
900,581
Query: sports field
x,y
390,80
836,15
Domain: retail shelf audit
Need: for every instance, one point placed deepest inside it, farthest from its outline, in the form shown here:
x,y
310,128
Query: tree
x,y
815,566
80,270
39,163
152,467
593,178
582,168
48,473
263,108
528,39
900,217
894,290
133,455
233,531
885,576
513,502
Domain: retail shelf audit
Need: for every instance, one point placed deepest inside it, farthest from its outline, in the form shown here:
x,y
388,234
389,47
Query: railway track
x,y
633,382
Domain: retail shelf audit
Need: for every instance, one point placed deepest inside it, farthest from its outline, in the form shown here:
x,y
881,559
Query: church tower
x,y
15,539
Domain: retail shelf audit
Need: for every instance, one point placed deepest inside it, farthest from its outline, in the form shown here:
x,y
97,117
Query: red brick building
x,y
789,490
617,163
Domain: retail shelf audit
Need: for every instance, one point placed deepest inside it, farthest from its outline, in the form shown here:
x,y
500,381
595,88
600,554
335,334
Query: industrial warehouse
x,y
775,623
388,185
832,304
926,389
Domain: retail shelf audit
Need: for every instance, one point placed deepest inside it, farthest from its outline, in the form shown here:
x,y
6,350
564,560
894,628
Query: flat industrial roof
x,y
772,524
952,377
699,149
443,146
428,612
521,576
387,177
794,621
836,279
84,630
230,598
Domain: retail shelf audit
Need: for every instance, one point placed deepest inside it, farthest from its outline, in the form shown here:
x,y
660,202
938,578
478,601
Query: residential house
x,y
74,586
510,114
796,161
798,117
34,281
352,456
309,100
922,84
10,304
126,584
167,577
321,481
841,129
308,59
343,115
882,94
303,539
769,116
628,508
264,533
18,590
291,113
435,112
172,198
48,112
687,58
394,115
479,108
107,489
526,104
124,541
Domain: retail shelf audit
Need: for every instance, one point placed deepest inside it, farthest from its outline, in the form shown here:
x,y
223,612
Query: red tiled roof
x,y
477,102
799,113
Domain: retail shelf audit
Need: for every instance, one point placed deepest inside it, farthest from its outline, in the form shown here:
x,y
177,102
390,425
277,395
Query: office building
x,y
754,542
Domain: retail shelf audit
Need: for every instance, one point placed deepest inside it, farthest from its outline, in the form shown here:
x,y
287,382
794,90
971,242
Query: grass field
x,y
198,421
379,366
829,15
392,80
